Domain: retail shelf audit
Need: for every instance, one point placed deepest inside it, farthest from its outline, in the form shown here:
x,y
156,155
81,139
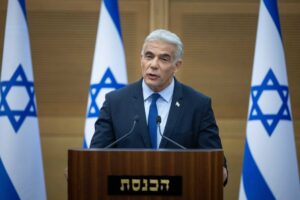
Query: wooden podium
x,y
145,174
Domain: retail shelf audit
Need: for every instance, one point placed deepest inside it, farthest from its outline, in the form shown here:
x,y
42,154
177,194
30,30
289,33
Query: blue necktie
x,y
152,127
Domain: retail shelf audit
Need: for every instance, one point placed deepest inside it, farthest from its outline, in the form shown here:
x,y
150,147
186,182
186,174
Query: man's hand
x,y
225,176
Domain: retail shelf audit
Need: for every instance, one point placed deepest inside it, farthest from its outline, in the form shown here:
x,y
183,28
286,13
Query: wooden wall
x,y
219,38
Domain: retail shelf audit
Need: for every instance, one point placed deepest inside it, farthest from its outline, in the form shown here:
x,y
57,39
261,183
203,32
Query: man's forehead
x,y
158,46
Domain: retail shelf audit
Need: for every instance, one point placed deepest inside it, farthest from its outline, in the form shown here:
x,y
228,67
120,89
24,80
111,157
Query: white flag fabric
x,y
109,67
270,168
21,167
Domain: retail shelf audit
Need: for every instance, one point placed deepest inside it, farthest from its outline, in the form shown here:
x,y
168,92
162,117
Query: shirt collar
x,y
166,93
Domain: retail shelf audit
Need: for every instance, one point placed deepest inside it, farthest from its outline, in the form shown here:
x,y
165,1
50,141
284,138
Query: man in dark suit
x,y
186,115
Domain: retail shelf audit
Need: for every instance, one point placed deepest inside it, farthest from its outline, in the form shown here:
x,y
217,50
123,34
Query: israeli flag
x,y
109,67
21,166
270,168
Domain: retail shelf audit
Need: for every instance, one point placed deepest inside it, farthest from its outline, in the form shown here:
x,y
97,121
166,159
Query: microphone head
x,y
158,119
136,118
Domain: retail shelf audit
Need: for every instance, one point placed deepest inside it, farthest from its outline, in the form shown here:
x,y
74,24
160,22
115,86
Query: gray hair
x,y
166,36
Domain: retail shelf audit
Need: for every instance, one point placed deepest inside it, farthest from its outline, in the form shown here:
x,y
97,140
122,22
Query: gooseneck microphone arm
x,y
136,119
158,121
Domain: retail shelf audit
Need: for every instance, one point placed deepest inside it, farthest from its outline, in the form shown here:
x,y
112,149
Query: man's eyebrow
x,y
148,53
165,55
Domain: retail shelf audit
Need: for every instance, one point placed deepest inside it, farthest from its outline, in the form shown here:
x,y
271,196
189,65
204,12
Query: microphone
x,y
158,121
135,120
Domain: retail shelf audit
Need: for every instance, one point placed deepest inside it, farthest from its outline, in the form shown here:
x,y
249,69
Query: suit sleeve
x,y
208,135
209,132
103,135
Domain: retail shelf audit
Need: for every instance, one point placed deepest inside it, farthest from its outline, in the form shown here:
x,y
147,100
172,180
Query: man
x,y
186,115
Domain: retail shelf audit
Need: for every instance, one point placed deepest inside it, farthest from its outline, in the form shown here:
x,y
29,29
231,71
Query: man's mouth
x,y
152,76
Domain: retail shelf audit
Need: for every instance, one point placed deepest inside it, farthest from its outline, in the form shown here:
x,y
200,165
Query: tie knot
x,y
154,97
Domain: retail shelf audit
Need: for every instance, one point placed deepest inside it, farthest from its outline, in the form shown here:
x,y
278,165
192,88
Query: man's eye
x,y
148,56
165,59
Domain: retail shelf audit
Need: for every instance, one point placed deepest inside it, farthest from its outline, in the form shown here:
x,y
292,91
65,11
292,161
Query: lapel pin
x,y
177,104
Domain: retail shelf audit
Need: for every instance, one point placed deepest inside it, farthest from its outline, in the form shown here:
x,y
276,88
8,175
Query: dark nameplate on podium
x,y
145,185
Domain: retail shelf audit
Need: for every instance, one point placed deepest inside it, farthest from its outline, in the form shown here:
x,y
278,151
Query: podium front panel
x,y
145,174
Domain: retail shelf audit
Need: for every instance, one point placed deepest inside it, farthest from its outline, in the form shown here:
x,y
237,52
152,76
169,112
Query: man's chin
x,y
153,84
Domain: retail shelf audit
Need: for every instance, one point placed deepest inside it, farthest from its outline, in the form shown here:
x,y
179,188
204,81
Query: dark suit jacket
x,y
191,120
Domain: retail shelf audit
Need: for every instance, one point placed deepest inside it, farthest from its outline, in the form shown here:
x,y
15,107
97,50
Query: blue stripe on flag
x,y
255,185
23,6
112,8
7,190
272,7
84,145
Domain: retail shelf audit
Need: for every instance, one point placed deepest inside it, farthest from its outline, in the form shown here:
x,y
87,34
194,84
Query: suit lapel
x,y
138,103
175,113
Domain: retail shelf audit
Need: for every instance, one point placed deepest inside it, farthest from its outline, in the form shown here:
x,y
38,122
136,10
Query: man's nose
x,y
154,63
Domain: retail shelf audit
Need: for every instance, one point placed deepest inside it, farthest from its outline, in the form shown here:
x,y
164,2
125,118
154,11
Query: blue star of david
x,y
108,81
17,117
270,121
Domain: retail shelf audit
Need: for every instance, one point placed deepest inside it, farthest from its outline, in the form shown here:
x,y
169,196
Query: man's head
x,y
160,58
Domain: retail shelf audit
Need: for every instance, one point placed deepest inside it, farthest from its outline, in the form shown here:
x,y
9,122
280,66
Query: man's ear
x,y
178,64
